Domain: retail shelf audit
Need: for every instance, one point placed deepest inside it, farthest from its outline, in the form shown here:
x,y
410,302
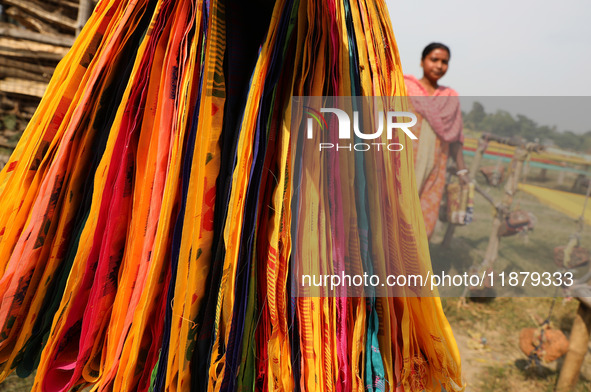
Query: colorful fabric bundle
x,y
146,229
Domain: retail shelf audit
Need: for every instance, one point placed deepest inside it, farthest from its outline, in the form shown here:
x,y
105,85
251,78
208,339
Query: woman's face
x,y
435,64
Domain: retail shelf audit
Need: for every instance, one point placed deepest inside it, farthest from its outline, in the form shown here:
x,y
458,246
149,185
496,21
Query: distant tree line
x,y
504,124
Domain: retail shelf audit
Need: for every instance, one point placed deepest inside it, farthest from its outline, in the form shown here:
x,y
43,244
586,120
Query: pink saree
x,y
442,127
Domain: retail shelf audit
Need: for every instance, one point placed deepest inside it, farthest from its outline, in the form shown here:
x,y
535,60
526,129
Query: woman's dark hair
x,y
432,46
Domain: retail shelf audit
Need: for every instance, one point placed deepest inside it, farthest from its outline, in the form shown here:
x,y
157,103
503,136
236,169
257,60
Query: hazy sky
x,y
502,47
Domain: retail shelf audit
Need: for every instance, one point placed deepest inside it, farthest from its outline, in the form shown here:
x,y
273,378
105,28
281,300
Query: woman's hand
x,y
457,153
464,176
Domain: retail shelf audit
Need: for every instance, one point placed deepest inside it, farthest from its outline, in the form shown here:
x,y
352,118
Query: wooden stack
x,y
34,36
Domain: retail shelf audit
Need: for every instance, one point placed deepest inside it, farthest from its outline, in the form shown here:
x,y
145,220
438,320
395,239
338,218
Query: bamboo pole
x,y
35,10
482,146
578,344
561,177
31,22
449,235
11,31
451,228
492,251
84,11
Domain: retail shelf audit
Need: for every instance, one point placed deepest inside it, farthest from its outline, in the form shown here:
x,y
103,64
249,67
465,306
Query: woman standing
x,y
439,130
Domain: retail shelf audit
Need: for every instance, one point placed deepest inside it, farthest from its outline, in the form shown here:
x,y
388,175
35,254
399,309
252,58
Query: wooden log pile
x,y
34,36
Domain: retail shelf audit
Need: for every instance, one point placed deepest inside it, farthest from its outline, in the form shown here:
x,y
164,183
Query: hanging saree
x,y
158,206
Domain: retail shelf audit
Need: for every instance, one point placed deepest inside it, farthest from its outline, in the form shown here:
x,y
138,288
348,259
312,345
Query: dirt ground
x,y
488,339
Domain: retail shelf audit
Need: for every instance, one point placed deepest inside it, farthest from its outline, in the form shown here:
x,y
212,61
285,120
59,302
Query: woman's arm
x,y
456,152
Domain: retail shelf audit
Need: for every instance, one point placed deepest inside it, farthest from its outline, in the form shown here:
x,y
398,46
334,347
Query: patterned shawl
x,y
443,114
